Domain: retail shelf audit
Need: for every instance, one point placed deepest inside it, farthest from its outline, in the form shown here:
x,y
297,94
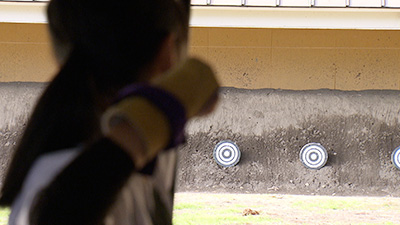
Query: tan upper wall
x,y
301,59
25,53
245,58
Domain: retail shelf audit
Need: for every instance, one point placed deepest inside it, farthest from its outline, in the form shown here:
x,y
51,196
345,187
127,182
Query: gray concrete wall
x,y
359,130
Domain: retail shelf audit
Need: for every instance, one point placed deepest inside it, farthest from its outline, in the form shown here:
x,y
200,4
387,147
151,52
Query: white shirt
x,y
43,171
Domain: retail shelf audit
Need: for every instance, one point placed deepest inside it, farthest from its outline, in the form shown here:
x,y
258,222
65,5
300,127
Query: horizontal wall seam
x,y
24,43
322,48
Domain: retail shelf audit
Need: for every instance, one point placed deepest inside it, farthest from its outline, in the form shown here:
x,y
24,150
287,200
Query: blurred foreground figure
x,y
99,147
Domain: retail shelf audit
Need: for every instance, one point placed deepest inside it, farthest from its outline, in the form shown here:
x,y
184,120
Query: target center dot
x,y
314,157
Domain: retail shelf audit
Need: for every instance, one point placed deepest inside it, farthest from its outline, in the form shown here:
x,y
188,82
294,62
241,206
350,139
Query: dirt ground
x,y
359,130
294,209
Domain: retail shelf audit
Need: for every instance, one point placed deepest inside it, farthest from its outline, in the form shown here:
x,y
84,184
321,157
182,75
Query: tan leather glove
x,y
157,114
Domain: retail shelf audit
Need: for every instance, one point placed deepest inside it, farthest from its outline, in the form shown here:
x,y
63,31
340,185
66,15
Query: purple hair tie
x,y
166,102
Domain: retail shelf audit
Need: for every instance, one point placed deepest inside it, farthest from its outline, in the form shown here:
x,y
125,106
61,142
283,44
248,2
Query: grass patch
x,y
218,216
190,206
386,223
209,208
323,204
202,213
329,204
4,213
201,218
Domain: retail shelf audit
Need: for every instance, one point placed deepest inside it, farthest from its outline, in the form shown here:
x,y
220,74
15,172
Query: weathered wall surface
x,y
16,102
359,130
299,59
25,53
295,59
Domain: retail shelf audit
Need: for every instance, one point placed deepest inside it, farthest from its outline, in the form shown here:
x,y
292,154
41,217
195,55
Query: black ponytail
x,y
106,45
64,117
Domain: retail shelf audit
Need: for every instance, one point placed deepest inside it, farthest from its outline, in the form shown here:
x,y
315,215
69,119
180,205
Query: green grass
x,y
325,204
4,212
227,209
387,223
201,213
219,216
208,208
328,204
189,206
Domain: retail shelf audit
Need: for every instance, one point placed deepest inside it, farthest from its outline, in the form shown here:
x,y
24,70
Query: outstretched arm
x,y
136,129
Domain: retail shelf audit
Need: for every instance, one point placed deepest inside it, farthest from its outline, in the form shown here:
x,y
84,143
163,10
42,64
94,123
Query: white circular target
x,y
313,156
396,157
226,153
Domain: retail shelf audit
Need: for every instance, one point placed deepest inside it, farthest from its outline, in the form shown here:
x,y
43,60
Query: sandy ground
x,y
297,209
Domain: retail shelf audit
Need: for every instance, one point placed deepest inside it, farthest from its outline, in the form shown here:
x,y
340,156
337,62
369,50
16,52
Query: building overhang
x,y
247,17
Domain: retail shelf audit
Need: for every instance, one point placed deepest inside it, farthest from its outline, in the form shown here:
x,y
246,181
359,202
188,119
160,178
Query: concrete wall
x,y
294,59
25,53
299,59
358,128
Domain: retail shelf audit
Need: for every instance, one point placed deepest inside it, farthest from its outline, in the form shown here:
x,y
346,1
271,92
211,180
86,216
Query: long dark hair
x,y
105,46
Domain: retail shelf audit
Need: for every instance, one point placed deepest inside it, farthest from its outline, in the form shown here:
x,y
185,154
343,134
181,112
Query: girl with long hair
x,y
97,148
